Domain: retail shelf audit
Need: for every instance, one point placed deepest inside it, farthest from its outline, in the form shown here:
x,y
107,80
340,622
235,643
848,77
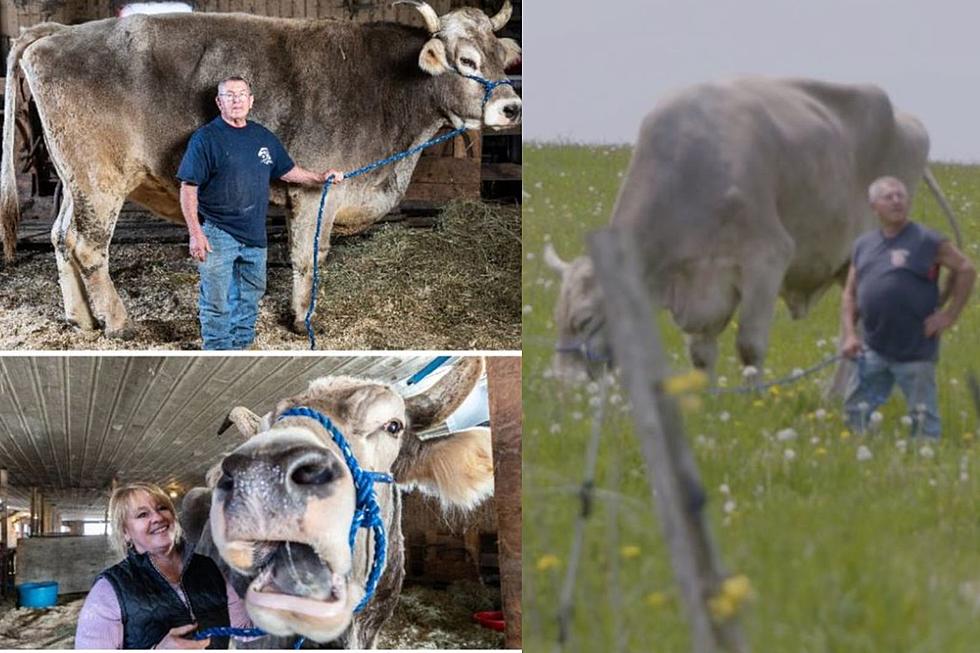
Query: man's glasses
x,y
231,97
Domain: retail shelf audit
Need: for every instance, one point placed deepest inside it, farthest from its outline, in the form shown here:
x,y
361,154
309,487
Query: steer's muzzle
x,y
503,111
292,474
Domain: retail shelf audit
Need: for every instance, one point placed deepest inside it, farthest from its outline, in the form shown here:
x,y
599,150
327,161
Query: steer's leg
x,y
703,350
93,220
302,226
763,268
69,275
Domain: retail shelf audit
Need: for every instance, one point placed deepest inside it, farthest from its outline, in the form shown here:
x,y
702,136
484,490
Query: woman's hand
x,y
174,639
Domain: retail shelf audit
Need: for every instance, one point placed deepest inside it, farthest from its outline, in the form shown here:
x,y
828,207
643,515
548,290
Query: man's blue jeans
x,y
872,382
232,283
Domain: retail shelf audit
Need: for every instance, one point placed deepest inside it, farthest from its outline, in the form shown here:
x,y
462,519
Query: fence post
x,y
675,484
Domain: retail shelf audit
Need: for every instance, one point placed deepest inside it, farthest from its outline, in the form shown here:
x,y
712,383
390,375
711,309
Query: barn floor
x,y
455,286
424,619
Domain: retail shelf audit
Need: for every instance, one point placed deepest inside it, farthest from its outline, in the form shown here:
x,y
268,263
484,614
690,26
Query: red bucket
x,y
493,620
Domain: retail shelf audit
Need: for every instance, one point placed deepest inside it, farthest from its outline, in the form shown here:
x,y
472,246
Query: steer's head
x,y
583,347
463,41
284,500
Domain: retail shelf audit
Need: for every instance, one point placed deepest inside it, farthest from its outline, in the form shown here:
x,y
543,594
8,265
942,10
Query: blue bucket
x,y
38,595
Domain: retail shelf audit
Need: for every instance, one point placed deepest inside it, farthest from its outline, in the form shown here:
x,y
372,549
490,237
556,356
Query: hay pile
x,y
30,628
456,286
428,618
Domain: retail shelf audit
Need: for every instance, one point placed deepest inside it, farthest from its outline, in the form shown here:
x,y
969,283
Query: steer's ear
x,y
246,421
439,401
456,469
511,52
433,57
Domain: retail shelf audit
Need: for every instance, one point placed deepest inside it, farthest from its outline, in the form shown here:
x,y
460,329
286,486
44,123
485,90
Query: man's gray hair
x,y
877,187
234,78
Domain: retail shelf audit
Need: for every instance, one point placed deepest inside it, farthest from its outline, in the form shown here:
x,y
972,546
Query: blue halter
x,y
367,512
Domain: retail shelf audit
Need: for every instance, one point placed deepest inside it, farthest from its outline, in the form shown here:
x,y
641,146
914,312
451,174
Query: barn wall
x,y
73,561
442,548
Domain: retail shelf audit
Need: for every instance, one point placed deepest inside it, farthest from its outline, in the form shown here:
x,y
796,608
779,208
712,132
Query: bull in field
x,y
119,98
278,510
739,193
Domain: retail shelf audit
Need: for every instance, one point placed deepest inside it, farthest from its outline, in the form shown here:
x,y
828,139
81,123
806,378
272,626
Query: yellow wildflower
x,y
630,551
845,434
656,599
820,451
758,403
690,403
722,607
693,381
774,391
548,561
738,588
968,437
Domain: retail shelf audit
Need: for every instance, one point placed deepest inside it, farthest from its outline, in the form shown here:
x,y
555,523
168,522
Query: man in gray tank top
x,y
892,287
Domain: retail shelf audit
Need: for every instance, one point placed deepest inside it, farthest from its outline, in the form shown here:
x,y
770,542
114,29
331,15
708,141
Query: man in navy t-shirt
x,y
892,287
225,176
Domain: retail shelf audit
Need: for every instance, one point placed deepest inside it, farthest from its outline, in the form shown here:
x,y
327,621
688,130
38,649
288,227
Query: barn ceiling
x,y
69,425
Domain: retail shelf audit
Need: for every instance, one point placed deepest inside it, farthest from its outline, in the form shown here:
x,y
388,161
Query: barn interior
x,y
73,428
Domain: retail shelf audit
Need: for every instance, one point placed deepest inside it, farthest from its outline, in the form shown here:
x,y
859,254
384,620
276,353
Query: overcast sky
x,y
593,69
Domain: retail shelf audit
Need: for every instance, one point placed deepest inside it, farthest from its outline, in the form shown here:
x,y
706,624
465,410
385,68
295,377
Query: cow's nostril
x,y
512,111
313,474
226,483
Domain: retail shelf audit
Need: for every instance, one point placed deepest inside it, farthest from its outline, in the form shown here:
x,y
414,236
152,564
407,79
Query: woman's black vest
x,y
150,607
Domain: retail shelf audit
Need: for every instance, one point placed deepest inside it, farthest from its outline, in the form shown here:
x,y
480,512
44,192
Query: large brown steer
x,y
119,98
281,504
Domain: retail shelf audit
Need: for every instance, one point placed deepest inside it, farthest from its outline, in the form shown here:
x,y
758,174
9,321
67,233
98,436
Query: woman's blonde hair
x,y
119,504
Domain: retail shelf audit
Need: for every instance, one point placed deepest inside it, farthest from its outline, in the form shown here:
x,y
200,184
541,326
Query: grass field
x,y
843,555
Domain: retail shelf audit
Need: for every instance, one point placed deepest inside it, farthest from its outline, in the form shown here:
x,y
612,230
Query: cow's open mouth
x,y
295,579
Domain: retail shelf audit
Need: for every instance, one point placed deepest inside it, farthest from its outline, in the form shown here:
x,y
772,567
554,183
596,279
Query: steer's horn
x,y
502,16
438,402
428,13
553,260
246,421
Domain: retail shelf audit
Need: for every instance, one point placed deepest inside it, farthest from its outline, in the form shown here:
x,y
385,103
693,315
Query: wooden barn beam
x,y
4,515
675,482
504,389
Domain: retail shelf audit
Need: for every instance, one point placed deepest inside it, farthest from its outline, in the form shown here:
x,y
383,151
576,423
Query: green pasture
x,y
844,555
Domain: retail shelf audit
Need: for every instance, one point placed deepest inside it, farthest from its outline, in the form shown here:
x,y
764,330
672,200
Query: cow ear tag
x,y
432,59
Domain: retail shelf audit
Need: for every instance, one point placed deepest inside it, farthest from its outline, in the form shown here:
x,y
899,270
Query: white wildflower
x,y
724,416
789,454
820,414
730,506
786,435
554,428
926,451
526,309
797,372
723,488
577,416
814,440
722,381
821,343
750,372
906,420
876,418
863,453
902,445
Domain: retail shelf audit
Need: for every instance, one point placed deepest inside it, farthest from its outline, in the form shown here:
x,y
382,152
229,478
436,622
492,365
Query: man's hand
x,y
199,246
937,323
338,176
851,346
174,639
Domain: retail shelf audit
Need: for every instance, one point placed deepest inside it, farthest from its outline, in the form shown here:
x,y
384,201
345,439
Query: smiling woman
x,y
161,591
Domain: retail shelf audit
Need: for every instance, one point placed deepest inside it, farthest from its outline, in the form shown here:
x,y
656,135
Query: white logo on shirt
x,y
265,156
899,256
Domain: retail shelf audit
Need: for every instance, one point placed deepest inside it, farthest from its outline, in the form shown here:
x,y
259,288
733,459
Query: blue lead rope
x,y
489,87
367,514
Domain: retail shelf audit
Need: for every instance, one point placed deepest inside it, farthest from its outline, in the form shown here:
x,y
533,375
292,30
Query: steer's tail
x,y
937,192
15,110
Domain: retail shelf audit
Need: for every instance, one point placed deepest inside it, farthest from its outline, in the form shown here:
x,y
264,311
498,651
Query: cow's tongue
x,y
311,607
296,580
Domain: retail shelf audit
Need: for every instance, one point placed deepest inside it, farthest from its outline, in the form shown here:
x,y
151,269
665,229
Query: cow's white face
x,y
283,501
583,349
464,40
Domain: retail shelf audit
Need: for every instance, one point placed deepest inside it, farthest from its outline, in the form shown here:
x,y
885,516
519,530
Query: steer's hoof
x,y
124,333
299,327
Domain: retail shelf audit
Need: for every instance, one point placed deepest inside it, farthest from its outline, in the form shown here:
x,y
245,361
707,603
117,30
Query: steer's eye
x,y
394,427
469,63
